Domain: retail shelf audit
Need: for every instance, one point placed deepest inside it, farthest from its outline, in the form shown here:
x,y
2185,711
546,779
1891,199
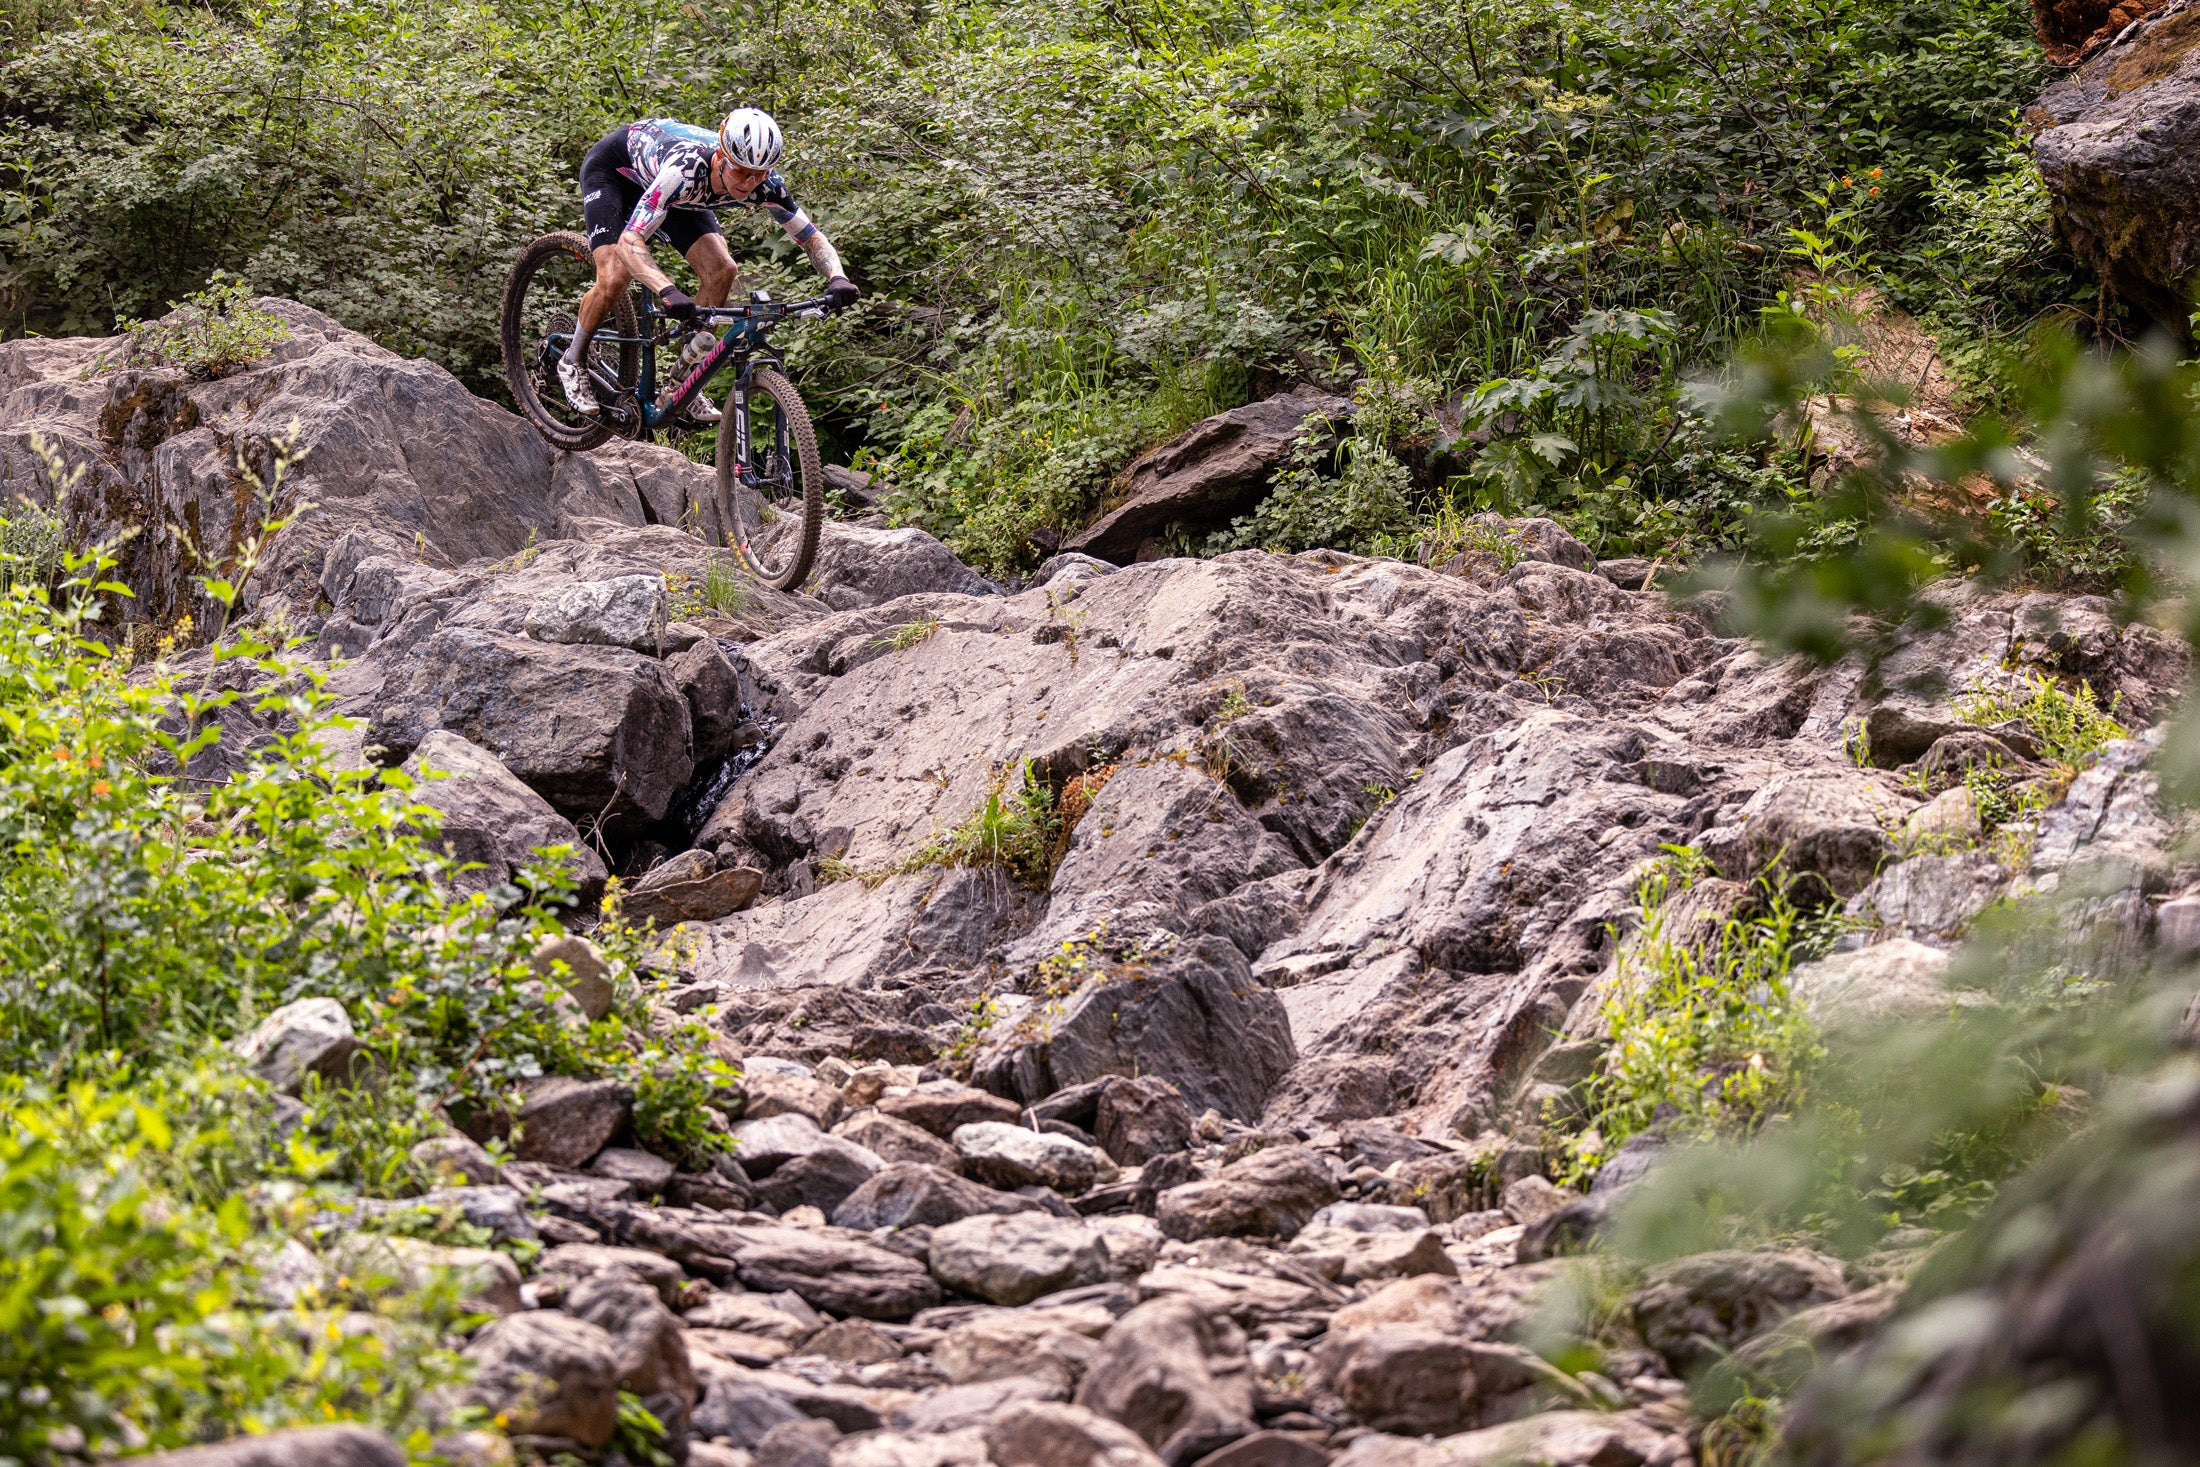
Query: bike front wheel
x,y
771,507
541,297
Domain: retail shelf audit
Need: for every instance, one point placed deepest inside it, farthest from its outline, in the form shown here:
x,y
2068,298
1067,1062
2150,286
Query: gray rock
x,y
707,678
1268,1449
941,1106
740,1410
648,1347
625,611
912,1194
835,1274
857,567
1832,824
2118,134
311,1036
1407,1379
1046,1434
347,1445
1067,567
1931,899
1218,468
454,1161
1197,1019
597,731
573,1263
822,1178
766,1095
1888,981
805,1443
1176,1376
1271,1193
487,1280
648,1175
548,1375
1010,1156
1136,1120
1532,1199
498,1210
1695,1309
1348,1257
703,899
768,1144
897,1140
1013,1260
1369,1217
564,1121
492,820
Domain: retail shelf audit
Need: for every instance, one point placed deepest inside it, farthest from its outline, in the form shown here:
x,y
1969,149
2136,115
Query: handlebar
x,y
765,310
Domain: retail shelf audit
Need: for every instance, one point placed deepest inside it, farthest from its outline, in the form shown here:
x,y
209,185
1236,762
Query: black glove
x,y
841,293
677,304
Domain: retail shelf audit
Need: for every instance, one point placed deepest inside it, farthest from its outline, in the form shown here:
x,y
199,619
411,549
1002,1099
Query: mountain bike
x,y
770,499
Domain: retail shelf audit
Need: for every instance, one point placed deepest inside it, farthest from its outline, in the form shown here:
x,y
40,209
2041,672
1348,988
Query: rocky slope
x,y
1206,1132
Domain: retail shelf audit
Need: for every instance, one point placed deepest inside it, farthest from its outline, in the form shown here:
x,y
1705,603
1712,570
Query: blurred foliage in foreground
x,y
2030,1163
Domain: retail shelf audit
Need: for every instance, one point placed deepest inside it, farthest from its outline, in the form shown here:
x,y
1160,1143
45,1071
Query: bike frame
x,y
743,342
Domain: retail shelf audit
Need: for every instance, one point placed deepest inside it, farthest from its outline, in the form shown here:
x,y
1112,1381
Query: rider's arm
x,y
650,211
803,230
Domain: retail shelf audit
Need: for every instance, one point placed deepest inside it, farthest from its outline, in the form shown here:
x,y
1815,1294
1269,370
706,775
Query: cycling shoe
x,y
579,395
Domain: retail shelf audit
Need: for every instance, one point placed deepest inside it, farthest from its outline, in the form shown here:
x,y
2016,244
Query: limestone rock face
x,y
2115,142
491,819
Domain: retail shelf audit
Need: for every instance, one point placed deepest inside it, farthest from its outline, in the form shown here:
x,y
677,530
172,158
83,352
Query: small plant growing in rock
x,y
208,334
2071,726
910,633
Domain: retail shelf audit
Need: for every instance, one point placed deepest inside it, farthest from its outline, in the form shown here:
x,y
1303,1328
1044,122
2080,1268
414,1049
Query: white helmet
x,y
751,138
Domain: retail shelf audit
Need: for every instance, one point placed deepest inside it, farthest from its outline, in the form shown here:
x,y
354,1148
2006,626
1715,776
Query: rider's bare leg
x,y
715,272
613,277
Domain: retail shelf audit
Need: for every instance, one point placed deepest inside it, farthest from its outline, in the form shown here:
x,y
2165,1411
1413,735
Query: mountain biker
x,y
662,179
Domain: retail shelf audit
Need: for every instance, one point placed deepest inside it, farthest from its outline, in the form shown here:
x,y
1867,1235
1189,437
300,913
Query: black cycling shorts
x,y
608,198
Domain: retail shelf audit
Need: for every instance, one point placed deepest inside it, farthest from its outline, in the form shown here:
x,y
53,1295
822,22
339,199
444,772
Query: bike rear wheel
x,y
771,509
541,296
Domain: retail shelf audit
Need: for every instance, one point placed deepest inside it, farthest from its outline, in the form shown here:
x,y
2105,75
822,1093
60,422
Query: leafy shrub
x,y
1705,1035
209,333
126,1317
141,915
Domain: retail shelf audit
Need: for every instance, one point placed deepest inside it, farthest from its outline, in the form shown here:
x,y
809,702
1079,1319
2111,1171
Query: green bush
x,y
142,915
127,1321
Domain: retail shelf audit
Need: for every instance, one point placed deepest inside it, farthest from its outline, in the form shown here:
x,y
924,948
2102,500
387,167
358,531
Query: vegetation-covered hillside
x,y
1084,225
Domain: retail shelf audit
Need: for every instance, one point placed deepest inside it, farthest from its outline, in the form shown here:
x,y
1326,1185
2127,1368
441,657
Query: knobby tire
x,y
519,371
802,438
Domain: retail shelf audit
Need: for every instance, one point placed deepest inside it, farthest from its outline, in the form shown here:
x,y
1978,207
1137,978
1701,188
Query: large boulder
x,y
1177,1376
914,1195
547,1375
1047,1434
835,1274
942,1106
648,1344
1827,828
600,732
624,611
864,567
490,819
1010,1156
1695,1309
563,1121
1014,1259
2115,143
1197,1019
1272,1193
1217,468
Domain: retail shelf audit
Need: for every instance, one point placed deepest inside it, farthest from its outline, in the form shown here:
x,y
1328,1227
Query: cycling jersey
x,y
669,162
